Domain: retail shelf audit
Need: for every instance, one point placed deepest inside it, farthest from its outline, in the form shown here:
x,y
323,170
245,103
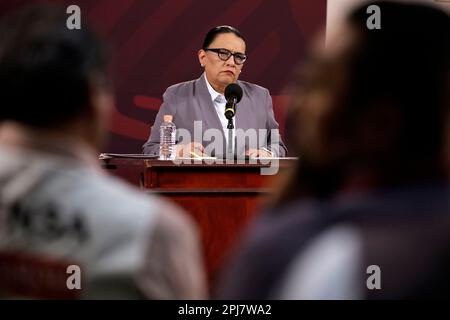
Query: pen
x,y
194,155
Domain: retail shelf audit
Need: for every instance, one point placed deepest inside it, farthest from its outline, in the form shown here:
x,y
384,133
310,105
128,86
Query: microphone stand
x,y
230,127
230,151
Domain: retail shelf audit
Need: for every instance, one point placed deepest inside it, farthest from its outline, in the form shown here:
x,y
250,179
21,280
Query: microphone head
x,y
233,90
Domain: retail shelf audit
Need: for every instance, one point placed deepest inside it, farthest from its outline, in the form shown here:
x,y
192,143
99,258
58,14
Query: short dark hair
x,y
214,32
45,68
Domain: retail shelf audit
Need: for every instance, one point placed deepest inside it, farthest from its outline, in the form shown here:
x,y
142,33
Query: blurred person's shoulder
x,y
104,202
115,196
270,244
275,222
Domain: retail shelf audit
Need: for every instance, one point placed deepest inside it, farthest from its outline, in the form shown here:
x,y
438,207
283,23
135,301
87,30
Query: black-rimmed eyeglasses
x,y
225,54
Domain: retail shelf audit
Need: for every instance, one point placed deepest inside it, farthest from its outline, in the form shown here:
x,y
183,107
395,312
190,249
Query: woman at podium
x,y
198,106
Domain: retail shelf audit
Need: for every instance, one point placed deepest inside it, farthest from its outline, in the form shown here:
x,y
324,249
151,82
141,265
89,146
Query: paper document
x,y
127,155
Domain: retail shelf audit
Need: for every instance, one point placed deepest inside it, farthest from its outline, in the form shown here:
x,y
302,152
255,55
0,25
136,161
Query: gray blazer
x,y
190,101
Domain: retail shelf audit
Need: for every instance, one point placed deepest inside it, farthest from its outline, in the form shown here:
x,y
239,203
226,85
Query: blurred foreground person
x,y
66,229
366,215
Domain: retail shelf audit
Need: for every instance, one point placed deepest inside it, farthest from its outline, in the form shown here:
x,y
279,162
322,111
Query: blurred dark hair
x,y
389,102
46,69
214,32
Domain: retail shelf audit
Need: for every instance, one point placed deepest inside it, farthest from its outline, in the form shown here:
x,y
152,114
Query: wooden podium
x,y
222,198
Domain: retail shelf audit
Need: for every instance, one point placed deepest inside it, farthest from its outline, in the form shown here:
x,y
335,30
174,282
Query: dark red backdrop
x,y
156,42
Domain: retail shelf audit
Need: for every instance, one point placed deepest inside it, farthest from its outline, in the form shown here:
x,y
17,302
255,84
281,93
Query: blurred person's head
x,y
53,81
372,108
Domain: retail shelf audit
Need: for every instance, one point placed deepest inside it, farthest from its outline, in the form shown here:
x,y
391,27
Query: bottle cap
x,y
168,118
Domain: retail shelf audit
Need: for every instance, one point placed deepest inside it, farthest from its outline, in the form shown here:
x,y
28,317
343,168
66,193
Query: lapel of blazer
x,y
206,106
241,111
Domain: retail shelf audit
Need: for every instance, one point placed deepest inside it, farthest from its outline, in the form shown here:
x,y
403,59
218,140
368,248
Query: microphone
x,y
233,94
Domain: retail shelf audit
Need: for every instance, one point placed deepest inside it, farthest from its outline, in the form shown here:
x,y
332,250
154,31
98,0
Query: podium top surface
x,y
149,161
263,162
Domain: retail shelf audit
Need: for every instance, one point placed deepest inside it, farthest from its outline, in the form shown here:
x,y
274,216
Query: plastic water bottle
x,y
167,139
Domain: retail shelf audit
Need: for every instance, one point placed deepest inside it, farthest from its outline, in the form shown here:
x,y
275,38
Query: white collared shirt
x,y
219,102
